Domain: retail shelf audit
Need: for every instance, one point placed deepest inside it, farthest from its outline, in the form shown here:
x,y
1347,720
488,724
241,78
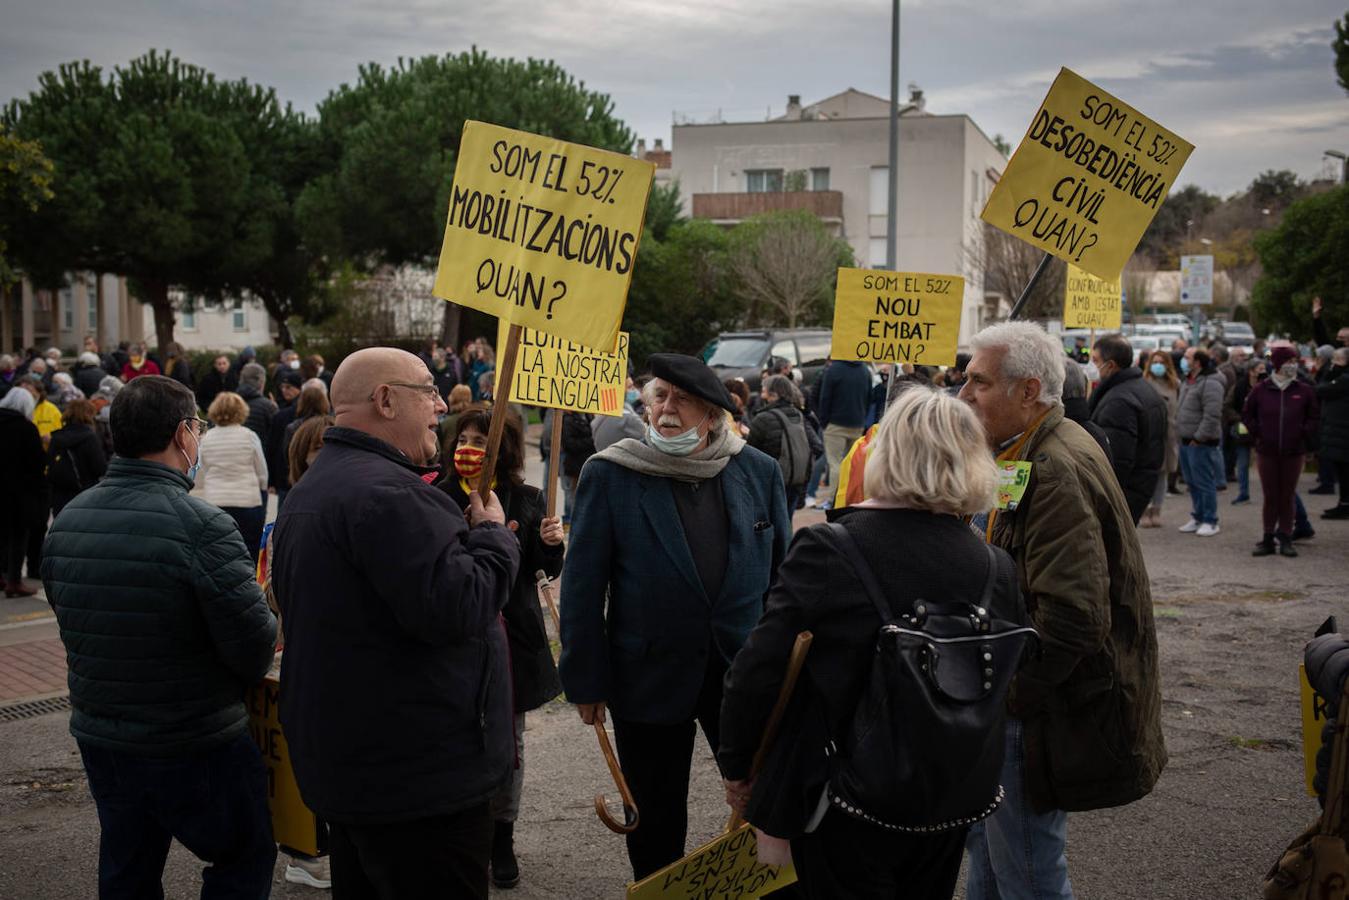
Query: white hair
x,y
1030,352
315,383
20,401
88,358
63,378
931,453
37,364
53,350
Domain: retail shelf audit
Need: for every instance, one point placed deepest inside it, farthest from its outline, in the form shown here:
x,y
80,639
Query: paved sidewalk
x,y
32,660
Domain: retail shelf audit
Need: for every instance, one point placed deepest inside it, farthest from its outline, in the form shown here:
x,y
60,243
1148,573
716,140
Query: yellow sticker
x,y
727,868
1013,479
562,375
1091,302
1088,177
543,232
897,317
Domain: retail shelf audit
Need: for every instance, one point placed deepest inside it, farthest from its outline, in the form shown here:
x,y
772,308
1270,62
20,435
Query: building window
x,y
189,317
819,179
91,301
239,315
880,191
763,181
876,253
67,309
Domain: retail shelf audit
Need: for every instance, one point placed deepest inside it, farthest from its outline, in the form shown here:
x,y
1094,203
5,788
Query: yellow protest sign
x,y
1088,177
1313,720
564,375
1091,302
897,317
725,869
542,232
292,822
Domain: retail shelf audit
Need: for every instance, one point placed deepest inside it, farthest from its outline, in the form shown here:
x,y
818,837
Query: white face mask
x,y
681,444
295,364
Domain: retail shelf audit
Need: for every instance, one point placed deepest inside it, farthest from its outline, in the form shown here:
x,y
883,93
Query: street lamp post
x,y
892,203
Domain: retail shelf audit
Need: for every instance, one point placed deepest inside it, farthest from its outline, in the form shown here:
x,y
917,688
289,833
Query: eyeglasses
x,y
203,425
422,387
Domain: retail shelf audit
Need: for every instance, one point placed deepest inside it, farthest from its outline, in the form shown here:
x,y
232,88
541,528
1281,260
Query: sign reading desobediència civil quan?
x,y
897,317
1087,178
564,375
1091,302
542,232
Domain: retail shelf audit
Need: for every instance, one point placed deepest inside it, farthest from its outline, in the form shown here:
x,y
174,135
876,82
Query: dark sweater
x,y
845,391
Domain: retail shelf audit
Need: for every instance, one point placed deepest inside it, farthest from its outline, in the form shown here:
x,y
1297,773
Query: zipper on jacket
x,y
485,680
1281,395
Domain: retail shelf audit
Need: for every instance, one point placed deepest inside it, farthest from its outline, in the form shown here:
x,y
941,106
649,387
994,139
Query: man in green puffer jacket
x,y
165,629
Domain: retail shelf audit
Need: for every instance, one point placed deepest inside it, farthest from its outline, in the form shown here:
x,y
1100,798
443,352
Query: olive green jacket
x,y
1091,700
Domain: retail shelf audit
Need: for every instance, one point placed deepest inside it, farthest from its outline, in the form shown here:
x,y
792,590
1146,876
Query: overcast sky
x,y
1251,83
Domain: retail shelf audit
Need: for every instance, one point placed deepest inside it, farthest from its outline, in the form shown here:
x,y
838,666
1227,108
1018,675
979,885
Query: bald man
x,y
396,695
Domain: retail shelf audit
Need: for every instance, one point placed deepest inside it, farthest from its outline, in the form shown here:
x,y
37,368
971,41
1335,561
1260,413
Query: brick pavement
x,y
32,668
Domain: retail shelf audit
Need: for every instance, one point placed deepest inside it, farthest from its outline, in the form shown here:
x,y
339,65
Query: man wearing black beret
x,y
682,532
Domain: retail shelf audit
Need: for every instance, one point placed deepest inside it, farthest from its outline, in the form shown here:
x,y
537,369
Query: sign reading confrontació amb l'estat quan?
x,y
1088,177
1091,302
897,317
543,233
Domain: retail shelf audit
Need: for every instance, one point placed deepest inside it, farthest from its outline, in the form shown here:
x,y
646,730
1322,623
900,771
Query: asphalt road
x,y
1230,628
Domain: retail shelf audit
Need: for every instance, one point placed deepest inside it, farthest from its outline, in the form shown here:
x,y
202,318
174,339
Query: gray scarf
x,y
631,453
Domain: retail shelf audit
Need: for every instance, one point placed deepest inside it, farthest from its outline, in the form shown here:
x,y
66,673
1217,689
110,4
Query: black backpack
x,y
793,451
924,749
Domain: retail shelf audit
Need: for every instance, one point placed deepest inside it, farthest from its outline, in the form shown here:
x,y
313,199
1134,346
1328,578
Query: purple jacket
x,y
1282,422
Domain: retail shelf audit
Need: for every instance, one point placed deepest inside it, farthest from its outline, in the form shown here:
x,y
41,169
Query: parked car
x,y
745,354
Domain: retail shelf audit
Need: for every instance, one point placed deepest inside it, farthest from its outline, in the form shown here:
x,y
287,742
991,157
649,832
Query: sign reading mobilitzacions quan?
x,y
1091,302
543,233
1087,178
564,375
897,317
727,868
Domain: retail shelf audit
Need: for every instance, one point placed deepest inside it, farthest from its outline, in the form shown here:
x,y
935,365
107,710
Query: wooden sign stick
x,y
501,393
554,461
794,664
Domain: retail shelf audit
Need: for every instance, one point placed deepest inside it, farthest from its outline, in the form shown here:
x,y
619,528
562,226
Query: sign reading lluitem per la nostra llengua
x,y
1087,178
897,317
560,374
543,233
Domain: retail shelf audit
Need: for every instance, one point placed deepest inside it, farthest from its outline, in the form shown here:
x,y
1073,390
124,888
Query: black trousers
x,y
37,532
443,856
656,761
13,543
845,857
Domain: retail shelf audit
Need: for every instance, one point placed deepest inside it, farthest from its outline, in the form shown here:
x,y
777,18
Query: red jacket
x,y
1282,422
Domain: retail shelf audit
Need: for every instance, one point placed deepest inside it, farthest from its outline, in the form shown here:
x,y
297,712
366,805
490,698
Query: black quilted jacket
x,y
164,624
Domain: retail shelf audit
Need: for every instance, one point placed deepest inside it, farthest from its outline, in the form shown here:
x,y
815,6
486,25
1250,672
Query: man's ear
x,y
1030,390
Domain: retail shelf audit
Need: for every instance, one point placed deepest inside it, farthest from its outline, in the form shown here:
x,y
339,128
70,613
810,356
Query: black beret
x,y
290,377
688,373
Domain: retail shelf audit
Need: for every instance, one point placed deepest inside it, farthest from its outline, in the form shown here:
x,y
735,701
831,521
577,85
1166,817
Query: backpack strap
x,y
867,576
1333,816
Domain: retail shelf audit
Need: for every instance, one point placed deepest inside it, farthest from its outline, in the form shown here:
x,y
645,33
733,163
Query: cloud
x,y
1250,82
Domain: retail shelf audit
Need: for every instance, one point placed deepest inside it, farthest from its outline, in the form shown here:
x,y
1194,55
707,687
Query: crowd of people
x,y
401,584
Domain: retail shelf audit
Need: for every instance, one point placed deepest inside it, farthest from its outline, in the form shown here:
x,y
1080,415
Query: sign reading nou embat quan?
x,y
1087,178
564,375
727,868
897,317
542,232
1091,302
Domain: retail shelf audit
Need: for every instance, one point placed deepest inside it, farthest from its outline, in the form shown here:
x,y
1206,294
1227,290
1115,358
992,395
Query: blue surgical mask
x,y
1158,369
193,467
632,395
1184,366
681,444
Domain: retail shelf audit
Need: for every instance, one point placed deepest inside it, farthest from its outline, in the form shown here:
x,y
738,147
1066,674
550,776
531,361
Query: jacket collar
x,y
371,444
145,470
1115,380
1053,419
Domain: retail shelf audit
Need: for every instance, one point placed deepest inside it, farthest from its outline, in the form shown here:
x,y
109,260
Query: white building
x,y
832,158
233,325
90,304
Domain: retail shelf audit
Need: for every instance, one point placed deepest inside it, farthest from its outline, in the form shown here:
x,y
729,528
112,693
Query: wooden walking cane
x,y
630,815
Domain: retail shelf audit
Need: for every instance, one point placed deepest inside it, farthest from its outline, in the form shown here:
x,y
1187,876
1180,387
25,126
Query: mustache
x,y
671,421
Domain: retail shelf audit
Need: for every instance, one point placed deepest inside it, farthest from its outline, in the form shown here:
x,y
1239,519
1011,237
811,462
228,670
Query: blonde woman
x,y
928,467
233,470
